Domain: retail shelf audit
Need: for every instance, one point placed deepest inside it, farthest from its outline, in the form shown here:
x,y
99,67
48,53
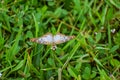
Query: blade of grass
x,y
71,55
10,53
36,25
109,36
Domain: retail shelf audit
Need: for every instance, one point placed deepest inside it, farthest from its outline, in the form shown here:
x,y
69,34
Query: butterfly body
x,y
49,39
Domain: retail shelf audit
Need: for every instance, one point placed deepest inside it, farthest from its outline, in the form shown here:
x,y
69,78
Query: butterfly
x,y
49,39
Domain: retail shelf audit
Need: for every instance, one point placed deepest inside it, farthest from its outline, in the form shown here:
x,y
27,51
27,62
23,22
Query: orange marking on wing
x,y
33,39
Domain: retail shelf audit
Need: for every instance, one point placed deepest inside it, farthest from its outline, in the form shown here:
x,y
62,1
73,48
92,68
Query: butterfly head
x,y
54,47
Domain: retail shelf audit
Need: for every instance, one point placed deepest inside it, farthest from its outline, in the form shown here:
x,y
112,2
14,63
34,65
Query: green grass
x,y
92,55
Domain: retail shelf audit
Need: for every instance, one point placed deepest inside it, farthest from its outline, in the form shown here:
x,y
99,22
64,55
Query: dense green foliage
x,y
94,53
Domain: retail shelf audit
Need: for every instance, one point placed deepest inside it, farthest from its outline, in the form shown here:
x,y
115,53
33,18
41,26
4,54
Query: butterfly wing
x,y
60,38
46,39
